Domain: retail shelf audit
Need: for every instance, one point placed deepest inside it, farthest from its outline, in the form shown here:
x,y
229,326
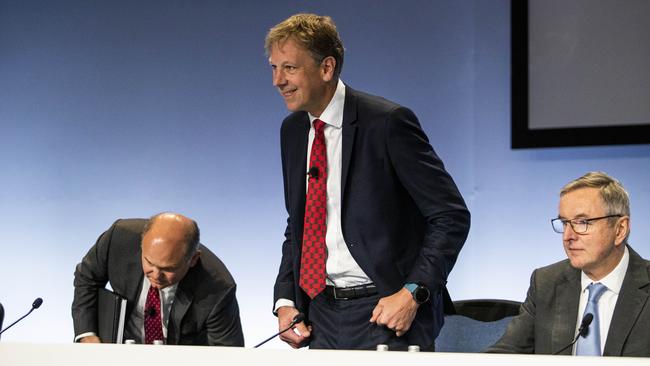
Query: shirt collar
x,y
614,280
333,113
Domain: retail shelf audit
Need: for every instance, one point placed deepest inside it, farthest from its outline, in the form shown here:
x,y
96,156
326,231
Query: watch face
x,y
421,294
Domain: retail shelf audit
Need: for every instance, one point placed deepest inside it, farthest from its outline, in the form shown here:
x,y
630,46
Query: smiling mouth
x,y
288,93
573,249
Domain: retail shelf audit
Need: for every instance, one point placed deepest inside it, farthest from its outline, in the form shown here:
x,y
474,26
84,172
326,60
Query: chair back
x,y
476,324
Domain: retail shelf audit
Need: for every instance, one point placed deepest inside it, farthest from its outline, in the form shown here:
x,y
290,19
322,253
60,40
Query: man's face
x,y
163,258
299,79
594,252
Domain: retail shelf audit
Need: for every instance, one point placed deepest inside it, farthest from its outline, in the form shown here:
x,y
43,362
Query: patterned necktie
x,y
590,344
312,261
152,321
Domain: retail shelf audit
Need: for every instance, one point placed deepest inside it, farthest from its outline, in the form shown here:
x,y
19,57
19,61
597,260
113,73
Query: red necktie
x,y
312,261
152,321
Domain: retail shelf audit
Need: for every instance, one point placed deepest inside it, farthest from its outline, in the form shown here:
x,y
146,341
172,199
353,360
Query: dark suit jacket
x,y
205,309
547,319
402,216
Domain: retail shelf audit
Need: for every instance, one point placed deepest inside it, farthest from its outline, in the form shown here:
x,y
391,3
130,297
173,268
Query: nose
x,y
278,78
155,273
568,233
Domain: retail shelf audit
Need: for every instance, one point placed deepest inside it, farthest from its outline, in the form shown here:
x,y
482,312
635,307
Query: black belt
x,y
349,293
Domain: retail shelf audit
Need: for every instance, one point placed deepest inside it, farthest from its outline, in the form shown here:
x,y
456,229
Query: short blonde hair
x,y
315,33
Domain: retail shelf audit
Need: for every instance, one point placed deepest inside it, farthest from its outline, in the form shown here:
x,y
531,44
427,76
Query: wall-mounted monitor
x,y
580,72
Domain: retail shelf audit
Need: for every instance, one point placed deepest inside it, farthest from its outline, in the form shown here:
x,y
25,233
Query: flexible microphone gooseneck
x,y
296,319
35,305
582,331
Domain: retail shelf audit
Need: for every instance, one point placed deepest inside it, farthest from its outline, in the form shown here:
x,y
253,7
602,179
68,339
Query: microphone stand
x,y
297,319
37,303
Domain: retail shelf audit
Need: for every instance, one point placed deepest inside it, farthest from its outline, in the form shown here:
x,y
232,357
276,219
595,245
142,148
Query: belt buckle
x,y
338,298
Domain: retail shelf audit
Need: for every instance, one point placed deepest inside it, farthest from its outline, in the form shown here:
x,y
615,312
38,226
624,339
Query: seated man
x,y
602,276
159,265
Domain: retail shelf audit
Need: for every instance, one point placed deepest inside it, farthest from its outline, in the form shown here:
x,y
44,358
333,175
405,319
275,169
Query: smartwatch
x,y
420,293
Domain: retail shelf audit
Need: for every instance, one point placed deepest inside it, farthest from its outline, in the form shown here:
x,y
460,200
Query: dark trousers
x,y
345,324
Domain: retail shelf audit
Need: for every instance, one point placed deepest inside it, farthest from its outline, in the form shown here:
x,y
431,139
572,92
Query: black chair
x,y
475,324
487,310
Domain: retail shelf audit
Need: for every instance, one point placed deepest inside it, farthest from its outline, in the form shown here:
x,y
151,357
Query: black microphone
x,y
313,172
582,331
2,315
296,319
151,312
35,305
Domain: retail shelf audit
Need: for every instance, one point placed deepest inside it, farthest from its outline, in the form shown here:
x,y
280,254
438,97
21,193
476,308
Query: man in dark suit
x,y
385,222
177,290
602,276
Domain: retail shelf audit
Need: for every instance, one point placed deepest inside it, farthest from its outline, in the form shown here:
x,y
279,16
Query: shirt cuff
x,y
282,302
82,335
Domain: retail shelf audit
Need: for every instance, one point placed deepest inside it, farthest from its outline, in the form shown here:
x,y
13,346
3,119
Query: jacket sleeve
x,y
424,177
223,322
284,287
90,275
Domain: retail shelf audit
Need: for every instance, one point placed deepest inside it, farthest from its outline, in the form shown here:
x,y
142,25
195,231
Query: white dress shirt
x,y
342,269
135,324
607,302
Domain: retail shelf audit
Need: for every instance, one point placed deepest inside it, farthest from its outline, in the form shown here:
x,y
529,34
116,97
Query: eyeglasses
x,y
579,226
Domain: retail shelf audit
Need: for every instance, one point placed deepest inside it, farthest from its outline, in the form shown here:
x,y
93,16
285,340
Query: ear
x,y
195,258
622,229
327,67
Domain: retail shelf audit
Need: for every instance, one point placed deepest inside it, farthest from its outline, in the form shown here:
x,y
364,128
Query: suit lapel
x,y
631,300
349,131
567,300
298,174
182,301
133,283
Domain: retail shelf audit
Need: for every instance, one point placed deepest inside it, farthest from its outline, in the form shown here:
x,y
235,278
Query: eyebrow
x,y
580,216
168,268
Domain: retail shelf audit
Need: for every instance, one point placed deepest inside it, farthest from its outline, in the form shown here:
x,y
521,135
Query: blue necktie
x,y
590,344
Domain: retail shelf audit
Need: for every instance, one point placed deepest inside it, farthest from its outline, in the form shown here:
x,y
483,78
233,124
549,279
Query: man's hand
x,y
90,339
296,337
396,311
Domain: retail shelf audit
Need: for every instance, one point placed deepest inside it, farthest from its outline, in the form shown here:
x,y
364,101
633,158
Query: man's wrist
x,y
420,293
84,335
282,302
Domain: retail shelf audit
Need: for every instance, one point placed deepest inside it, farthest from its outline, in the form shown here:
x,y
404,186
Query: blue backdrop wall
x,y
116,109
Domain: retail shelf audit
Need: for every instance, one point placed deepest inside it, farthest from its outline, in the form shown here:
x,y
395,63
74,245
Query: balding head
x,y
170,247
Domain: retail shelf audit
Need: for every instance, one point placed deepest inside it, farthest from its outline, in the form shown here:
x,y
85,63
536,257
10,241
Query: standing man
x,y
602,276
177,290
375,222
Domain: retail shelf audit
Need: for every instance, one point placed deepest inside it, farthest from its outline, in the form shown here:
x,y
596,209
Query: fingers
x,y
303,330
395,312
90,339
293,338
376,312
